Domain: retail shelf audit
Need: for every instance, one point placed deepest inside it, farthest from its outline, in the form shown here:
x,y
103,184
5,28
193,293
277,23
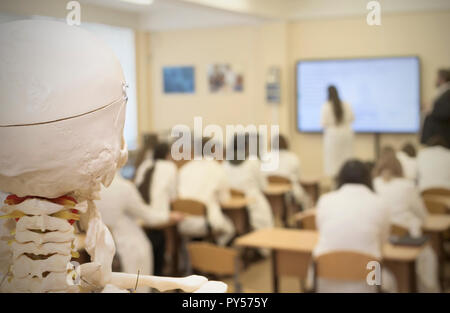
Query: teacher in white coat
x,y
336,120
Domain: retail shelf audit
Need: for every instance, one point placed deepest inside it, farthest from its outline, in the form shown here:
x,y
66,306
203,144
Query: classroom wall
x,y
251,48
255,48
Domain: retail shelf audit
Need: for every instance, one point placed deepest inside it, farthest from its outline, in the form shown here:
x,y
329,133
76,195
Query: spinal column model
x,y
62,111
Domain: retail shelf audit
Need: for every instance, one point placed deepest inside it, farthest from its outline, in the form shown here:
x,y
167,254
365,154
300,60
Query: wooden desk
x,y
292,253
275,193
236,209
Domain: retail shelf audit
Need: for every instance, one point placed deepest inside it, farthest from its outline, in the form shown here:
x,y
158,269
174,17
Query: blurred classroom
x,y
362,100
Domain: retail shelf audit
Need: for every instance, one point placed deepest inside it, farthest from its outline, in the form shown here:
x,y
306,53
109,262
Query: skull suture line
x,y
62,112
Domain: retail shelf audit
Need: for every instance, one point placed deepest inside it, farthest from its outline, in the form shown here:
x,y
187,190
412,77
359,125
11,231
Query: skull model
x,y
62,112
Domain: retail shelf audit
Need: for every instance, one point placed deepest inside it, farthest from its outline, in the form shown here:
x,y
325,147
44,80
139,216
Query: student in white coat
x,y
205,181
245,175
407,157
408,210
289,167
157,184
352,218
433,163
120,204
336,120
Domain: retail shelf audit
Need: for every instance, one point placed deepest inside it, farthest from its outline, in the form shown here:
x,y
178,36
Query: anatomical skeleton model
x,y
62,112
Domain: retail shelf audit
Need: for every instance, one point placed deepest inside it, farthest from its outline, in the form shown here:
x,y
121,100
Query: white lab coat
x,y
163,189
205,180
289,167
337,139
433,165
247,177
409,165
352,218
408,210
120,204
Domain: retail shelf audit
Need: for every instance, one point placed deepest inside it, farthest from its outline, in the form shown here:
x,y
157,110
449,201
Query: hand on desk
x,y
176,216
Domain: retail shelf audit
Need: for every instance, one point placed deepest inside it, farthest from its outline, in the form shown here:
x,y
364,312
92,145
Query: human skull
x,y
62,110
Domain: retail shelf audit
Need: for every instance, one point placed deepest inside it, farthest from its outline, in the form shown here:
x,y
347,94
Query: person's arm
x,y
137,208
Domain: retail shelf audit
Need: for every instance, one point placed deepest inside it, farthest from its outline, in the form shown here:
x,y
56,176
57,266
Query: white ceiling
x,y
176,14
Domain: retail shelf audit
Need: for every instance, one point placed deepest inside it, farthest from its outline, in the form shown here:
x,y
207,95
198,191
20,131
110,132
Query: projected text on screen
x,y
384,93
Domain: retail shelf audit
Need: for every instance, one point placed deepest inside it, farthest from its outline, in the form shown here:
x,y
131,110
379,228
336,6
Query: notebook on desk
x,y
408,240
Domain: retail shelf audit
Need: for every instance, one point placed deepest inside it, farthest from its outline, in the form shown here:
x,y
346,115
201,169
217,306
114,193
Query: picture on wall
x,y
222,77
179,79
273,82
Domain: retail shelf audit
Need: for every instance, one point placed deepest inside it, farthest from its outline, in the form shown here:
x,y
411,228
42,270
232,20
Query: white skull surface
x,y
62,110
62,113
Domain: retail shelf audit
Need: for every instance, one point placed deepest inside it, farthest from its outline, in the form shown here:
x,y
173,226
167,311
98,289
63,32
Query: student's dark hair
x,y
233,145
354,172
409,149
283,143
160,152
149,142
438,140
444,74
333,97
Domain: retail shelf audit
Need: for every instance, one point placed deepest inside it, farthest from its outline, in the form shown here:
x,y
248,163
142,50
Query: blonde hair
x,y
388,162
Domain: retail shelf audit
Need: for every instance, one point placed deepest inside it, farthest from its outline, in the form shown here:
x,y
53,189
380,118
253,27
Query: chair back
x,y
435,207
436,192
277,179
237,193
307,221
189,207
343,265
398,230
209,258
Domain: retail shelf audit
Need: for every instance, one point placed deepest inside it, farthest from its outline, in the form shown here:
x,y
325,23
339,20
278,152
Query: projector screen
x,y
384,93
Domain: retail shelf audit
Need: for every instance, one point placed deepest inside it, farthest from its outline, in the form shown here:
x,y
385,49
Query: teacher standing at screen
x,y
336,120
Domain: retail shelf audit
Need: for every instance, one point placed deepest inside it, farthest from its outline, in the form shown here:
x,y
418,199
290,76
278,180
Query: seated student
x,y
407,210
157,186
120,204
352,218
245,175
407,157
205,180
289,167
433,163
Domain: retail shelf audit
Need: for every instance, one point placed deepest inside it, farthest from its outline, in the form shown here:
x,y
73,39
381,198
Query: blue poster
x,y
179,79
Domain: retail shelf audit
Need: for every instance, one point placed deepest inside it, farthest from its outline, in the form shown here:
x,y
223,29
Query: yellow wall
x,y
252,49
255,48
